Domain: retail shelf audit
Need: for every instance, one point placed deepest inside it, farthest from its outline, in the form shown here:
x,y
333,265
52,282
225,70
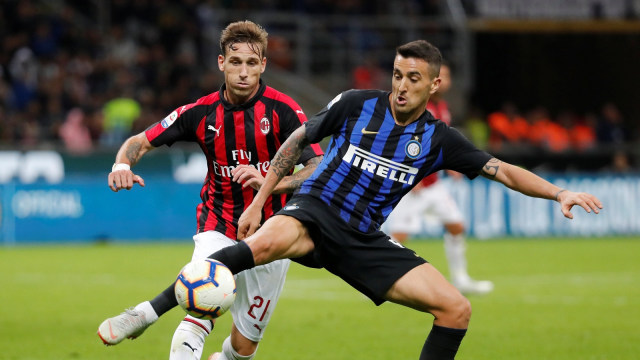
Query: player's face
x,y
411,88
242,68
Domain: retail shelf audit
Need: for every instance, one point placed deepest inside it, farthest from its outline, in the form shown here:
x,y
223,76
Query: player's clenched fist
x,y
123,179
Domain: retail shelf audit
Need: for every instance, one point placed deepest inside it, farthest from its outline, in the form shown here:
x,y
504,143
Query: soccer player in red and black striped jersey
x,y
239,129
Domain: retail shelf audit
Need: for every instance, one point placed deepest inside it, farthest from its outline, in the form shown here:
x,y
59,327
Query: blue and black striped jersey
x,y
371,162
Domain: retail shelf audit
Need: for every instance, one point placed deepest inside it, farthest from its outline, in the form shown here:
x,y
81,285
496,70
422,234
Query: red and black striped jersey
x,y
230,135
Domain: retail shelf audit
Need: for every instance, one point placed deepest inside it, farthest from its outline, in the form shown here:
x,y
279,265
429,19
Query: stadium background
x,y
78,77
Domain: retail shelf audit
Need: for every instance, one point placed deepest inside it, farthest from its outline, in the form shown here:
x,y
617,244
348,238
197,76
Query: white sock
x,y
228,353
188,339
455,249
150,314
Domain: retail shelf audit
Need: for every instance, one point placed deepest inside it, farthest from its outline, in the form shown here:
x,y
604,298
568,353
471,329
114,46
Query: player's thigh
x,y
208,242
424,288
258,291
280,237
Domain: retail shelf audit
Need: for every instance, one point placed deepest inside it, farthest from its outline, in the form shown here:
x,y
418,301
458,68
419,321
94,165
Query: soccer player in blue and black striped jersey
x,y
382,144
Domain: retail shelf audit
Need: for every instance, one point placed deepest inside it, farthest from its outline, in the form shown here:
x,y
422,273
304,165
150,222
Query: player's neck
x,y
238,99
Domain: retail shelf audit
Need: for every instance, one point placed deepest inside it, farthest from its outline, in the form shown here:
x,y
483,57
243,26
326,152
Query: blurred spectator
x,y
620,162
611,127
477,128
75,134
545,133
368,75
119,115
583,133
507,126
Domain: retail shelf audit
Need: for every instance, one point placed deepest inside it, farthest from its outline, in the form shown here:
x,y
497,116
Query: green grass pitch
x,y
553,299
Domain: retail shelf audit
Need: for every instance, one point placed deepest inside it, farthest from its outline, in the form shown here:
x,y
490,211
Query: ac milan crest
x,y
265,125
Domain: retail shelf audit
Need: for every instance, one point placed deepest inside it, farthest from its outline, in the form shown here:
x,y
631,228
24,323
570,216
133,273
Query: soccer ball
x,y
205,289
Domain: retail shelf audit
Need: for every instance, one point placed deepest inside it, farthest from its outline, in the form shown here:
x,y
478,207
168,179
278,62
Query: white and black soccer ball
x,y
205,289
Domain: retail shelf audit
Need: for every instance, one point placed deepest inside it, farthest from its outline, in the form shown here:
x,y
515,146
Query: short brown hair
x,y
244,32
424,50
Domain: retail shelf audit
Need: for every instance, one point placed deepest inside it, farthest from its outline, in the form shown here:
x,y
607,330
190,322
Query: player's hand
x,y
249,221
124,179
248,175
568,198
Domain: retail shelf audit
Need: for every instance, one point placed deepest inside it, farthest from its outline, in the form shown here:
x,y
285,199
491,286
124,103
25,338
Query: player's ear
x,y
435,85
221,62
264,64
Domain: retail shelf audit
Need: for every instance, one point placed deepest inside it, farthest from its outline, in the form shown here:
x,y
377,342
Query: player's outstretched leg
x,y
423,288
228,353
133,322
128,325
188,339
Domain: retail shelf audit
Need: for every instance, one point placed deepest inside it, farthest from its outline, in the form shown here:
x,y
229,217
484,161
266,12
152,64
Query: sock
x,y
228,353
188,339
165,301
455,249
237,258
442,343
150,315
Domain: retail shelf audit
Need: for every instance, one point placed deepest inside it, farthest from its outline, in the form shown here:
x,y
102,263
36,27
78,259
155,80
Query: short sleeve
x,y
460,155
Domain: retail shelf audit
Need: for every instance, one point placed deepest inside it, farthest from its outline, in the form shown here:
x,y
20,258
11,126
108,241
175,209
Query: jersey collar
x,y
247,105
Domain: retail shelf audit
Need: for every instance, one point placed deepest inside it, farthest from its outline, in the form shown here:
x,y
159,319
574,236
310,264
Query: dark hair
x,y
244,32
424,50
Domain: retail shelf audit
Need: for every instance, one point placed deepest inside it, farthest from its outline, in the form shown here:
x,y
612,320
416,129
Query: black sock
x,y
165,301
442,343
237,258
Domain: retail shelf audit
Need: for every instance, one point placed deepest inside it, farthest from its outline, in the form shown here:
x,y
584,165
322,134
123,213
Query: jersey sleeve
x,y
461,155
291,118
180,125
330,119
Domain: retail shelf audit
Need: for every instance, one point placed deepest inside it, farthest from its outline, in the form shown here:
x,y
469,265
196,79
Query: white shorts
x,y
258,289
434,200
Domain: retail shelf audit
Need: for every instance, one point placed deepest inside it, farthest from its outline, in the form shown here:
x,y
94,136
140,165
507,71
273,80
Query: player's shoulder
x,y
209,99
278,96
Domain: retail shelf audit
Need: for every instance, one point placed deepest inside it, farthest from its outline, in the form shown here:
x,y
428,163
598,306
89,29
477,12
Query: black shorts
x,y
370,262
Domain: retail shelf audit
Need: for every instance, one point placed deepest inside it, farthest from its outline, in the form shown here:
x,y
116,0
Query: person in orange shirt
x,y
507,126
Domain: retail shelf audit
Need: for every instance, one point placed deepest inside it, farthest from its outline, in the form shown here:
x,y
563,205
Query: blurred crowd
x,y
62,78
536,131
68,76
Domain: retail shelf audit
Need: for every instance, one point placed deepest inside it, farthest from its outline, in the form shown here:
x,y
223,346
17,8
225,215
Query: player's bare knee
x,y
460,312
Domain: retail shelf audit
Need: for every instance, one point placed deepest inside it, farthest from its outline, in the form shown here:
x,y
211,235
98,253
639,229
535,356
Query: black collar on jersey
x,y
247,105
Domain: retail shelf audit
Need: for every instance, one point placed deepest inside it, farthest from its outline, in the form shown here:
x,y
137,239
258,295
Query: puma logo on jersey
x,y
210,127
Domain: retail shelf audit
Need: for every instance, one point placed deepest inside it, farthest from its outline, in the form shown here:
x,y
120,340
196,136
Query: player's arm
x,y
248,175
284,160
290,183
530,184
121,176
